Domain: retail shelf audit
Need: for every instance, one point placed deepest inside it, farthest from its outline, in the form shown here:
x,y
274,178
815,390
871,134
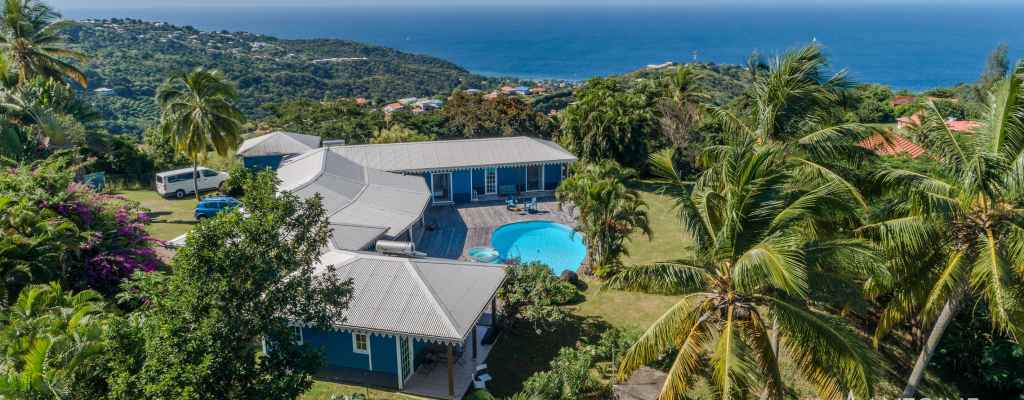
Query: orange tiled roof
x,y
894,146
901,100
961,125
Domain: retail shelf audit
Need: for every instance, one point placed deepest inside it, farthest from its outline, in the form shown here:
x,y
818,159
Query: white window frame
x,y
355,343
488,190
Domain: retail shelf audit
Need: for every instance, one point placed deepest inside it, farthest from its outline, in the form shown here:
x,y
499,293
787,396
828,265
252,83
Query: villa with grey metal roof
x,y
409,313
468,170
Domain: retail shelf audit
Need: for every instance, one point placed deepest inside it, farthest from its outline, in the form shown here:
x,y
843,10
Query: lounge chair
x,y
531,206
510,204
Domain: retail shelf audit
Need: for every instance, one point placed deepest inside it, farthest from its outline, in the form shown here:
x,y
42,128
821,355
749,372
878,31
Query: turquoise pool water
x,y
554,244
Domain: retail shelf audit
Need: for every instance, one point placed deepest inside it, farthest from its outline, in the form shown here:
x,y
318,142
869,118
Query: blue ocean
x,y
907,46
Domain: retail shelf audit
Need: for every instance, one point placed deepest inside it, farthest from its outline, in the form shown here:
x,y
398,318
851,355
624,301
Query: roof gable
x,y
424,297
454,154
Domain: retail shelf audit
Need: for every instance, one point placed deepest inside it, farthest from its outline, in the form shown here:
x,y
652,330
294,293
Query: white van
x,y
179,182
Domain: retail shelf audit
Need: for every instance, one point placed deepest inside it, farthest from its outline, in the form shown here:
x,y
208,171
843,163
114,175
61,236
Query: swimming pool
x,y
554,244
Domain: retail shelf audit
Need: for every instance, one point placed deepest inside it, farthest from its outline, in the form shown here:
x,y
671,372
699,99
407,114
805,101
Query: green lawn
x,y
329,390
171,217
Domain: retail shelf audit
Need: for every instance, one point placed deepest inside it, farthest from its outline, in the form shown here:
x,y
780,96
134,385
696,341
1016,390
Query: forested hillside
x,y
133,57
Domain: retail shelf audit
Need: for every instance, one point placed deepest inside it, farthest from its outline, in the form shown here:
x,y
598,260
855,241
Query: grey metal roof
x,y
429,298
278,143
453,154
359,201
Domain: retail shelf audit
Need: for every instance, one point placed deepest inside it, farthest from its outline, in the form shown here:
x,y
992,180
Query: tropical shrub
x,y
55,229
532,294
51,344
570,378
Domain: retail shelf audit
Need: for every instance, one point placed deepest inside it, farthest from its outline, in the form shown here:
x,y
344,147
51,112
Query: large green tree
x,y
30,37
608,211
745,286
610,120
956,233
241,278
198,111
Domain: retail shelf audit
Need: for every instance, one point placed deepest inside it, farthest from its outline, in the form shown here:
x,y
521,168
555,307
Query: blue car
x,y
211,206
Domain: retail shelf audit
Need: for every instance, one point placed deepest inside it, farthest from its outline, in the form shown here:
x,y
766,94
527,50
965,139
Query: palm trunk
x,y
195,177
949,310
773,340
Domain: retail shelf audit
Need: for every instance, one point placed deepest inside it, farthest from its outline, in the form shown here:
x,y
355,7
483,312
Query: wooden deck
x,y
454,229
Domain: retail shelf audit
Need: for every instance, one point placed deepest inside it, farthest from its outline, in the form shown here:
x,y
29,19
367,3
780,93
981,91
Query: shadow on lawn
x,y
521,352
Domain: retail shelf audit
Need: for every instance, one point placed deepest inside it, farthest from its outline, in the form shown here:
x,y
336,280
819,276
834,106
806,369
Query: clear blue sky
x,y
439,3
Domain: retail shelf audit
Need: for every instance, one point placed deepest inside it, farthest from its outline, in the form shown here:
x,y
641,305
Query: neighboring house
x,y
902,100
268,151
363,204
463,171
538,89
507,89
361,101
523,90
407,101
894,145
104,91
393,107
472,91
428,104
963,126
407,318
491,96
907,122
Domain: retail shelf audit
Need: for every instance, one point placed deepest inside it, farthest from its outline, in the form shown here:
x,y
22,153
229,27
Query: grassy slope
x,y
171,217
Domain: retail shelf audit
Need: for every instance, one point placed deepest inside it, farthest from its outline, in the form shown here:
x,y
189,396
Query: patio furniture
x,y
531,206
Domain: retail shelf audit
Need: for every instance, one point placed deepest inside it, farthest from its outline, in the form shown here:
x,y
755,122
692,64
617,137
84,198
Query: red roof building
x,y
901,100
906,122
393,107
965,126
361,101
894,145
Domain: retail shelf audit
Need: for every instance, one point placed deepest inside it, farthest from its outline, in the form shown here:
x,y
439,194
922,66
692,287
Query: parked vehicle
x,y
211,206
178,183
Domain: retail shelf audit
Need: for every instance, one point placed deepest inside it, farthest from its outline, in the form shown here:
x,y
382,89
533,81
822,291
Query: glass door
x,y
442,184
491,180
533,177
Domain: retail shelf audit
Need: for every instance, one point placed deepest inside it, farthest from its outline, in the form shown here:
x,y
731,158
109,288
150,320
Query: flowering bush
x,y
105,240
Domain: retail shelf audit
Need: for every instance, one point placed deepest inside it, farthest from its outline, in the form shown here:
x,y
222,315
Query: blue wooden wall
x,y
337,348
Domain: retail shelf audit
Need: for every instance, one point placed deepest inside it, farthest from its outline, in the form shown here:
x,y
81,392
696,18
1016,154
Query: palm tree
x,y
682,108
197,110
608,211
745,285
30,36
795,104
957,233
